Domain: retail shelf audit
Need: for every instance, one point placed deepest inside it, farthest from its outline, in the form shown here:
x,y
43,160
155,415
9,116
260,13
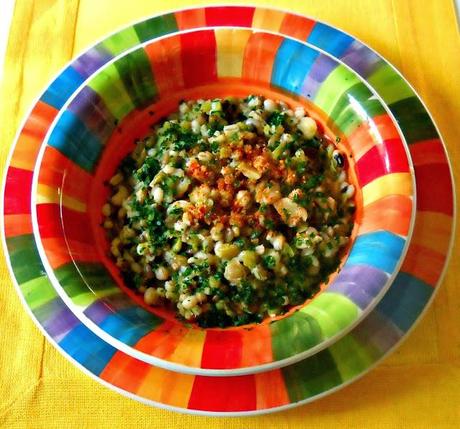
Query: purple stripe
x,y
91,61
61,320
360,283
378,332
92,111
361,59
100,310
320,70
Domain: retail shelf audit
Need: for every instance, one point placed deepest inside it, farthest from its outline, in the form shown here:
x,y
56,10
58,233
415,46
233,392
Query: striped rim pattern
x,y
348,358
79,138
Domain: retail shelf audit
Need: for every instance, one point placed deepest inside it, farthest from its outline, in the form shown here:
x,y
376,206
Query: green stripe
x,y
157,26
333,88
38,292
352,357
87,283
389,84
355,106
294,334
24,258
310,377
110,88
136,74
332,311
414,120
120,42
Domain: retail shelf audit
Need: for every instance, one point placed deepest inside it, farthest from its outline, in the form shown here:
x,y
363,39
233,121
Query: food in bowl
x,y
230,211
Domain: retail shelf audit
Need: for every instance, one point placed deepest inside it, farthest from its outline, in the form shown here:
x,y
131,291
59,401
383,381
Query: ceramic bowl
x,y
119,102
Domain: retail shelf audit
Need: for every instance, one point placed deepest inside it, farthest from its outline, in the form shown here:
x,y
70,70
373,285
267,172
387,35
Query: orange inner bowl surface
x,y
138,124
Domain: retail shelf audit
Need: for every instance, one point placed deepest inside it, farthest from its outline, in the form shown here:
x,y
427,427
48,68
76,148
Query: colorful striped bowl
x,y
346,360
118,103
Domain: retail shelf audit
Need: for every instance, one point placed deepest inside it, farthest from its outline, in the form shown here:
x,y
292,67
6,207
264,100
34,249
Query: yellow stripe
x,y
46,194
391,184
230,51
268,19
167,387
189,350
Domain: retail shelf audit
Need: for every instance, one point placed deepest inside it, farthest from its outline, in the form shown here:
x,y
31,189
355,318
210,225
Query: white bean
x,y
120,196
195,127
106,209
151,296
299,112
162,273
234,271
116,180
278,242
269,105
308,127
260,249
189,302
158,194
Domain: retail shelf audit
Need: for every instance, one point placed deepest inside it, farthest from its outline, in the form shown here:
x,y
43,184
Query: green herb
x,y
234,137
312,182
269,261
276,118
263,208
269,223
239,242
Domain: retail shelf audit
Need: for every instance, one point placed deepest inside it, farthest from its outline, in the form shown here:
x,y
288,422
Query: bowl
x,y
118,103
347,359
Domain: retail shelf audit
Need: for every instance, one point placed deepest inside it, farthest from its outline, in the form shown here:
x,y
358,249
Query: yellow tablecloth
x,y
417,387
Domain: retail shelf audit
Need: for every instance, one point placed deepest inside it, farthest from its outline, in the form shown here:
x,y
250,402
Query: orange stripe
x,y
190,19
190,349
148,381
271,389
165,61
168,387
59,172
125,372
259,57
17,224
59,254
383,129
32,135
162,342
257,346
424,264
392,213
298,27
437,229
26,151
267,19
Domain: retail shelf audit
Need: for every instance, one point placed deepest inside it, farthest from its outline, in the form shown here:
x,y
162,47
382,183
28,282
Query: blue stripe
x,y
380,249
130,325
292,63
329,39
87,349
75,141
62,87
405,300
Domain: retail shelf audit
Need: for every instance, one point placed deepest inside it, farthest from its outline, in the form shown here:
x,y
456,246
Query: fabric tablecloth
x,y
418,386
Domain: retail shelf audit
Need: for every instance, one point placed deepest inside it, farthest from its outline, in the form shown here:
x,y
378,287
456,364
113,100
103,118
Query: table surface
x,y
418,386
